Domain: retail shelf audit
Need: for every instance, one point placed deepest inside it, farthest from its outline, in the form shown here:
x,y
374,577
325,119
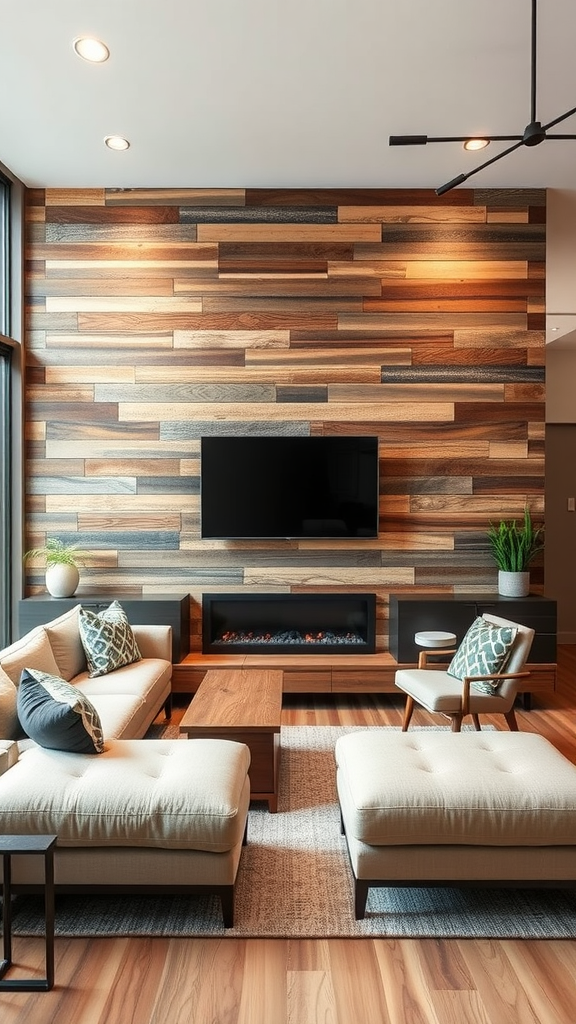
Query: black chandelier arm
x,y
533,66
557,120
423,140
464,177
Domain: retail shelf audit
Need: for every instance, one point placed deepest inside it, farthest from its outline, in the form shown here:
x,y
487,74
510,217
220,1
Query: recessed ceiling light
x,y
91,49
476,143
116,142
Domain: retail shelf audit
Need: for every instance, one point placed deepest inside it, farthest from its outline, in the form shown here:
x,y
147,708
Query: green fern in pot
x,y
62,561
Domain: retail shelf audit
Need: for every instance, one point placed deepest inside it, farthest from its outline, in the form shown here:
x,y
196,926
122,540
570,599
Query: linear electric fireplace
x,y
289,623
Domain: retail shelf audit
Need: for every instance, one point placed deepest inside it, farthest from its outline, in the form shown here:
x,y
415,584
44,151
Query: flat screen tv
x,y
288,487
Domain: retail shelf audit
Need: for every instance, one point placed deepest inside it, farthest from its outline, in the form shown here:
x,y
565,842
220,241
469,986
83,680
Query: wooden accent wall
x,y
157,316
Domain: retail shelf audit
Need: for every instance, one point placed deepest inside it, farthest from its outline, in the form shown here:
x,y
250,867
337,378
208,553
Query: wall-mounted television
x,y
288,487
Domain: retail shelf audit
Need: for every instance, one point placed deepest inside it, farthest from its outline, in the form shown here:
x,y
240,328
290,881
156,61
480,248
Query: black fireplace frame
x,y
314,612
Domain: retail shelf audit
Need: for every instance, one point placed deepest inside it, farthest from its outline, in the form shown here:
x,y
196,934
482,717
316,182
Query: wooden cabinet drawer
x,y
363,680
301,681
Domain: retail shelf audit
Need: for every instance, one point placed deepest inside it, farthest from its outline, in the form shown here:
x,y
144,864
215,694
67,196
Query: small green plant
x,y
515,545
56,552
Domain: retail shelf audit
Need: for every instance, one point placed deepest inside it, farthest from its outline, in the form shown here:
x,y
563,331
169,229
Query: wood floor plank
x,y
202,981
264,989
137,982
359,1003
401,967
498,985
461,1007
546,978
310,998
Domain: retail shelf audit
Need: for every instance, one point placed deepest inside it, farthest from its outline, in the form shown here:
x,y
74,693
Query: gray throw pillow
x,y
107,639
56,714
484,651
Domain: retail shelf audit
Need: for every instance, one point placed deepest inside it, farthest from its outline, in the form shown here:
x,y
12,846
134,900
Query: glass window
x,y
6,351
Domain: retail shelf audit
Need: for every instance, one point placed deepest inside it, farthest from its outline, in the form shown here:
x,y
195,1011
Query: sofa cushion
x,y
172,794
64,636
57,715
129,698
32,651
9,728
484,651
107,639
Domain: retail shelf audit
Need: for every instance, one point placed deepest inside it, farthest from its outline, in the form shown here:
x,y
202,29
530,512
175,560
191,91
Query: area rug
x,y
294,881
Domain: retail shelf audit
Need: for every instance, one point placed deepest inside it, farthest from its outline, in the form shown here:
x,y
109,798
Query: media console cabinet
x,y
141,609
375,673
325,673
411,613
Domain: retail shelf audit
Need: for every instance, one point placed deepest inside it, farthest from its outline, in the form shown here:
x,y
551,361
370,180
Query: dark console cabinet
x,y
156,609
409,614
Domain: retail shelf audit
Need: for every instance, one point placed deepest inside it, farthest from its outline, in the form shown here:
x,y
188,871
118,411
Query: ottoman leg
x,y
227,903
360,897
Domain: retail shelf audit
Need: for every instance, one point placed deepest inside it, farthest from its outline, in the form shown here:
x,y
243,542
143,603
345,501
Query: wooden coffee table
x,y
243,705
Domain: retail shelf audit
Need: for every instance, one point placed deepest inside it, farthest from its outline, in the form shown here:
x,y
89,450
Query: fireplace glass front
x,y
288,623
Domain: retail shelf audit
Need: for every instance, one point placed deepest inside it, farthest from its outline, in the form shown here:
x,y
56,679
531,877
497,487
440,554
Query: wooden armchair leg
x,y
476,721
511,720
456,722
408,709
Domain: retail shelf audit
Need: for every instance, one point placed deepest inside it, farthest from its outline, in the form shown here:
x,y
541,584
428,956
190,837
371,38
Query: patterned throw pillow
x,y
484,651
58,715
107,639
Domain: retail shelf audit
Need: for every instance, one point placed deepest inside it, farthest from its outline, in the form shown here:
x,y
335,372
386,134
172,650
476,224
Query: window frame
x,y
12,194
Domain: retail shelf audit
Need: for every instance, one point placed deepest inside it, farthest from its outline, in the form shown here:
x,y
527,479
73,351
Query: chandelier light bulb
x,y
474,144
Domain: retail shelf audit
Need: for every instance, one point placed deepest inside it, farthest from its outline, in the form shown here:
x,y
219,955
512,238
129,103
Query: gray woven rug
x,y
294,881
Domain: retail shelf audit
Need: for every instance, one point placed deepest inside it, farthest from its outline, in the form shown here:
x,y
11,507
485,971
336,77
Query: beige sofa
x,y
127,699
145,815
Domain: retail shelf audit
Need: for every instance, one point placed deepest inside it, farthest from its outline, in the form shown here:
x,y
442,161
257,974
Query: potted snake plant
x,y
514,545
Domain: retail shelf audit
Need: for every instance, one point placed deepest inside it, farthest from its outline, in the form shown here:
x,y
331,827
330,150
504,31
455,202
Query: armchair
x,y
438,691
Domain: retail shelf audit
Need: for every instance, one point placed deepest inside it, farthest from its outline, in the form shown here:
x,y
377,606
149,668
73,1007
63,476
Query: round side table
x,y
435,638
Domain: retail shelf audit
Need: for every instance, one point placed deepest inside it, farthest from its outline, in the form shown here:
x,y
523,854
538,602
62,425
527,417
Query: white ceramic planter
x,y
513,584
62,580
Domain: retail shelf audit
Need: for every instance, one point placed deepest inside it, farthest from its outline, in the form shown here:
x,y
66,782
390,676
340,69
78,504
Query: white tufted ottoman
x,y
145,815
443,808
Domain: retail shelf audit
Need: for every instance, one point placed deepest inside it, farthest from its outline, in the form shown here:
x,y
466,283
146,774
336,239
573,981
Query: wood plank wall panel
x,y
156,316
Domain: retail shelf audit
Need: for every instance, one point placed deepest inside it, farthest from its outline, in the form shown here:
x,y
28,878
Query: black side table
x,y
10,845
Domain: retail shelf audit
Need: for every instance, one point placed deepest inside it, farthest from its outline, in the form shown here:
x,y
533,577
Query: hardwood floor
x,y
336,981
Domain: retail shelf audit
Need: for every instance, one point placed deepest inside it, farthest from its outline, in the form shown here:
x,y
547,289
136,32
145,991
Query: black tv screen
x,y
289,487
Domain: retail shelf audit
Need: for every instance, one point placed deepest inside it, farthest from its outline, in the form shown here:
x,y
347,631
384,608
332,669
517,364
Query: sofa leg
x,y
227,902
168,708
360,897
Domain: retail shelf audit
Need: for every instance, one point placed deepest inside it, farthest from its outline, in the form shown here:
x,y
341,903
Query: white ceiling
x,y
281,93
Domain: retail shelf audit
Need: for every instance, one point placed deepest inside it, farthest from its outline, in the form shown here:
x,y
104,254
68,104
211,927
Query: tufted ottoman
x,y
145,815
442,808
